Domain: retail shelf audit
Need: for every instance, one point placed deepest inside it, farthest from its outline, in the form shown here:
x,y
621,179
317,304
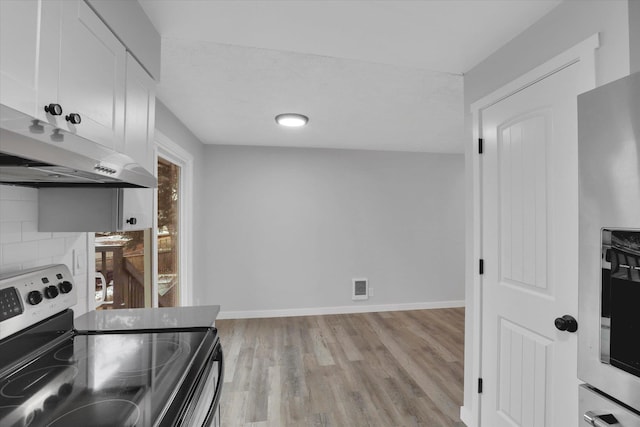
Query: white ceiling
x,y
381,75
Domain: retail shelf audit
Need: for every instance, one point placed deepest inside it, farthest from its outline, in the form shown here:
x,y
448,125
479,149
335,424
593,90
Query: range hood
x,y
34,153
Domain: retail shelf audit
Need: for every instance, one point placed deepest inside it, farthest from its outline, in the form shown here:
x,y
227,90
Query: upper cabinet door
x,y
137,203
140,107
19,44
91,76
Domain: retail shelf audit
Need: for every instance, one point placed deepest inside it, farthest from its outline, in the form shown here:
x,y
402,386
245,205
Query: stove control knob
x,y
65,287
34,297
50,292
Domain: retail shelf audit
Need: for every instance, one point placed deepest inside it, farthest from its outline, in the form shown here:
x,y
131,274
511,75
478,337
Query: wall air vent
x,y
360,290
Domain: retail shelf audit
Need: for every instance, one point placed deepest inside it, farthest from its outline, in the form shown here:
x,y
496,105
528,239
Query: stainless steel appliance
x,y
164,369
609,254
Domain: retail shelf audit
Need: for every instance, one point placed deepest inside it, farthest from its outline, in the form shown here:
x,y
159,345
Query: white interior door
x,y
530,251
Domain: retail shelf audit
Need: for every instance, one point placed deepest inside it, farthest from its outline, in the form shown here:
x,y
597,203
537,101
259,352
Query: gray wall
x,y
634,34
565,26
289,228
176,131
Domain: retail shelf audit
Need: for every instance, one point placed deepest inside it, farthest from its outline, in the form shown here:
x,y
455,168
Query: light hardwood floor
x,y
373,369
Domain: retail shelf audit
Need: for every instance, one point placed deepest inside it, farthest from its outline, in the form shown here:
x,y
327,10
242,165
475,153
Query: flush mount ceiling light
x,y
292,119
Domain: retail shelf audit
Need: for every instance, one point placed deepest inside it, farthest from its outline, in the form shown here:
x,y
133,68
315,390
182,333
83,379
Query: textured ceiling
x,y
370,74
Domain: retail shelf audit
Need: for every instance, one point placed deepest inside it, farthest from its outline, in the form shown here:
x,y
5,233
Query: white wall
x,y
634,35
23,247
565,26
287,229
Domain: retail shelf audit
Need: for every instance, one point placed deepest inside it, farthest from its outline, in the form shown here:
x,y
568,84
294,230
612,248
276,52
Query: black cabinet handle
x,y
132,221
566,323
53,109
73,118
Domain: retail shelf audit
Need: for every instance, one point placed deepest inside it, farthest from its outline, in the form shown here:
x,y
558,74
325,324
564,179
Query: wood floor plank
x,y
386,369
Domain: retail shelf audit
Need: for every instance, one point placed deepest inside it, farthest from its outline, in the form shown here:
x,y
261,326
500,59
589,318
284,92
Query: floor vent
x,y
360,289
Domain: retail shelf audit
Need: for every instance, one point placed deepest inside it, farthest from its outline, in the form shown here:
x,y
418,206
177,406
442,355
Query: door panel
x,y
530,241
524,362
523,203
19,44
92,75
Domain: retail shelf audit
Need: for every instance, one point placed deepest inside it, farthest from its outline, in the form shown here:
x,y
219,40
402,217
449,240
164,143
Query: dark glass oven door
x,y
620,293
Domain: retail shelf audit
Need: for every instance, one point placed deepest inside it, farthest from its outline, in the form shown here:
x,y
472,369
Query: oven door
x,y
620,293
203,409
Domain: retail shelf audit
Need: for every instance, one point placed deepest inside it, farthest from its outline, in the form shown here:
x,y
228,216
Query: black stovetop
x,y
100,380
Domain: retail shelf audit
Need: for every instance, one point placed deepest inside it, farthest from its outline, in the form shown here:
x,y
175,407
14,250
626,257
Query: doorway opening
x,y
168,233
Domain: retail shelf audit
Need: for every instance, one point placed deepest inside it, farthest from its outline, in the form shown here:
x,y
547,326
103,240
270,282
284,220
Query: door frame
x,y
583,53
168,149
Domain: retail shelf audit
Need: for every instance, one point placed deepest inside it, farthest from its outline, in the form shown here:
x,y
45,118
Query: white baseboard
x,y
347,309
465,417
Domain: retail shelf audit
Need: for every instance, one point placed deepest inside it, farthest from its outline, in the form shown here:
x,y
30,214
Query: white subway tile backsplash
x,y
15,253
30,232
22,246
29,194
51,248
10,268
10,232
10,192
18,210
38,263
64,234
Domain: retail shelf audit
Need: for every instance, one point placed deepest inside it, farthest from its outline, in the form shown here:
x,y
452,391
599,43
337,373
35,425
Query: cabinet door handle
x,y
132,221
53,109
73,118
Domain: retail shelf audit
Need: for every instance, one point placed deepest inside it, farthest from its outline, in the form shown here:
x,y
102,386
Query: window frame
x,y
167,149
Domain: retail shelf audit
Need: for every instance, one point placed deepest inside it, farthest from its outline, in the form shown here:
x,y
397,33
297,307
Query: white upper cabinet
x,y
140,102
140,107
90,64
61,53
19,46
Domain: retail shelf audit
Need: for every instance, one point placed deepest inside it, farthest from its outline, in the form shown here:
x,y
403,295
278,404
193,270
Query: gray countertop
x,y
148,318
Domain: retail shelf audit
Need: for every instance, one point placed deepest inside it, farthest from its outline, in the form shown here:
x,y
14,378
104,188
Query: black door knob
x,y
53,109
50,292
73,118
34,297
566,323
65,287
132,221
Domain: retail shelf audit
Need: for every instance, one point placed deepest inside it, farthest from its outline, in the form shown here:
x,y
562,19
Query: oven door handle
x,y
600,419
219,357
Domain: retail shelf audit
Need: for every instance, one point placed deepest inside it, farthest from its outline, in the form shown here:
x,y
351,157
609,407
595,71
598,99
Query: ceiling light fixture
x,y
292,119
